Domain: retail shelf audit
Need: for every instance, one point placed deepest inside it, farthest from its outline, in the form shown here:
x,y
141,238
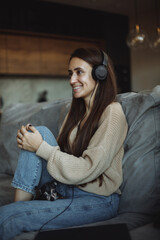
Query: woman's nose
x,y
73,78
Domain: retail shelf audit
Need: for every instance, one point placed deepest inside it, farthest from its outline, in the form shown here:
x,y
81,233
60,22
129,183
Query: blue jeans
x,y
76,208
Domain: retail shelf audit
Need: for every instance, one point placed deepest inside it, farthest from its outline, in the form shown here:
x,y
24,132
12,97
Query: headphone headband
x,y
99,72
104,58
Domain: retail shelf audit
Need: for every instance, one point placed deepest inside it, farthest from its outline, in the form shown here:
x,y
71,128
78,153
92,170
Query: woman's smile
x,y
77,88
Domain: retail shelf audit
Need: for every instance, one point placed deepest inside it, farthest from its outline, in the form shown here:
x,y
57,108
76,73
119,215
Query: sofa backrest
x,y
141,162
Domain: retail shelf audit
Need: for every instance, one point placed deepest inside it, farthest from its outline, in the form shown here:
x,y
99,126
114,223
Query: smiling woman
x,y
85,161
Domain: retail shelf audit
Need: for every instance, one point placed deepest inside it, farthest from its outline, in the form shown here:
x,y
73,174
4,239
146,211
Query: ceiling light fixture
x,y
137,38
156,42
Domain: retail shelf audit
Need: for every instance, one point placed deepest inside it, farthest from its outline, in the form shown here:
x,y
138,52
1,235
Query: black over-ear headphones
x,y
99,72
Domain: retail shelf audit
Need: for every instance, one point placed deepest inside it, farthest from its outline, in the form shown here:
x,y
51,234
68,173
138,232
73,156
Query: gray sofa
x,y
140,200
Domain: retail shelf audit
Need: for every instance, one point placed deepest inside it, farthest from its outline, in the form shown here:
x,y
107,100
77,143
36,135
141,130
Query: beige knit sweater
x,y
102,156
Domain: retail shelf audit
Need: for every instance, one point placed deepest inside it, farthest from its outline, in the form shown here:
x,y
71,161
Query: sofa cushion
x,y
141,162
6,191
147,232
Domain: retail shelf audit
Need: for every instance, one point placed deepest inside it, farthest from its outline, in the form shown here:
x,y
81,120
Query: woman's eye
x,y
70,74
79,72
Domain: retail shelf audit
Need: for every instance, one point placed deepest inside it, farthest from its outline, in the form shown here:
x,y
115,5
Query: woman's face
x,y
81,79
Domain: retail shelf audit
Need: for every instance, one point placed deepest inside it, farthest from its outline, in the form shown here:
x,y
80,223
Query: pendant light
x,y
156,42
137,38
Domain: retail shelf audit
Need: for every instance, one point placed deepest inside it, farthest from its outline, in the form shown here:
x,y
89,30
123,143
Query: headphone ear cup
x,y
99,73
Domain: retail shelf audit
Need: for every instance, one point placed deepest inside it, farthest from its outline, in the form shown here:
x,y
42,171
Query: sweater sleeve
x,y
105,144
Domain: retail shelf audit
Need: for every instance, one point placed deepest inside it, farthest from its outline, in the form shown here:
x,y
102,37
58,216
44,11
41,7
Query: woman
x,y
86,160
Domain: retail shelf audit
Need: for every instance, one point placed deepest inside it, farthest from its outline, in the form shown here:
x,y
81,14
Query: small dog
x,y
48,192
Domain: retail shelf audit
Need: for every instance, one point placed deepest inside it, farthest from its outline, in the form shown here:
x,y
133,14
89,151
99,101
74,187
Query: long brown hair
x,y
105,94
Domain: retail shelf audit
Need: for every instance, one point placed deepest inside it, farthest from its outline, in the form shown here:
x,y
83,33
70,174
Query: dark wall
x,y
47,17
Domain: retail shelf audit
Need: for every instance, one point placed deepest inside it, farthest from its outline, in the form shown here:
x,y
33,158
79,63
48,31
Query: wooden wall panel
x,y
54,54
3,54
39,55
23,54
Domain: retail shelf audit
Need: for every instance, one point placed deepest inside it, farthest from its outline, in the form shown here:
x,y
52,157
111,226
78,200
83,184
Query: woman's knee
x,y
47,135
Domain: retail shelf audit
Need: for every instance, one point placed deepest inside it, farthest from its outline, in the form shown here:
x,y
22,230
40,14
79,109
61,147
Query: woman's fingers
x,y
28,126
19,134
19,140
23,130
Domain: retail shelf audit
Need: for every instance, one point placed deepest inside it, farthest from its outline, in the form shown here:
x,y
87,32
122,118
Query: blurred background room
x,y
36,38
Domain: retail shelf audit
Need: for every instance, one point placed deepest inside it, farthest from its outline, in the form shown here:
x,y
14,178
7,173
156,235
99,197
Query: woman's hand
x,y
29,140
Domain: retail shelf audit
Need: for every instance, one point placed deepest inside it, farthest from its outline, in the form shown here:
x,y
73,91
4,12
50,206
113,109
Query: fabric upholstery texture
x,y
140,199
50,114
141,162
